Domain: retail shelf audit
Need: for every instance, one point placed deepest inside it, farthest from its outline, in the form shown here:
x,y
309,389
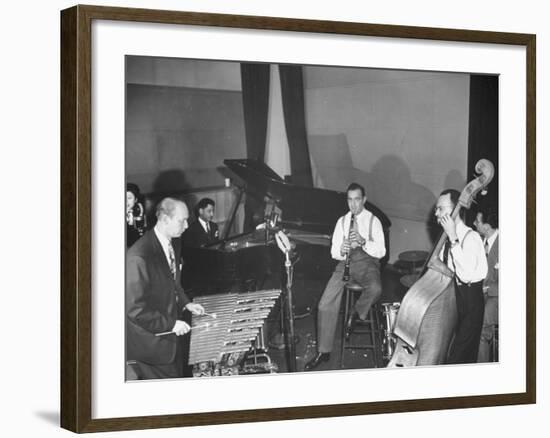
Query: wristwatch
x,y
455,242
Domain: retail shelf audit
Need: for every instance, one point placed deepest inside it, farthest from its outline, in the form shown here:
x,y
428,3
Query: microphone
x,y
283,242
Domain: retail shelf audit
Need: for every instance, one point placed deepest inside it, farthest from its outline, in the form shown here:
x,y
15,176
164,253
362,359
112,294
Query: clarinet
x,y
346,267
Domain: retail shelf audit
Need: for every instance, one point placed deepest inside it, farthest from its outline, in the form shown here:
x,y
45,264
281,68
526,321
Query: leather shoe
x,y
316,361
351,323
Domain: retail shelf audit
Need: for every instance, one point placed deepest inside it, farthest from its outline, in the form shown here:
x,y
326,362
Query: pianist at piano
x,y
358,245
155,300
203,230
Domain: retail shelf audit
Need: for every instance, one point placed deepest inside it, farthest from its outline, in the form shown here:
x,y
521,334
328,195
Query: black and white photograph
x,y
294,218
275,219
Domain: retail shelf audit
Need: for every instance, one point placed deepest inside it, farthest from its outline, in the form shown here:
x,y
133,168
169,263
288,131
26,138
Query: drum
x,y
415,259
408,280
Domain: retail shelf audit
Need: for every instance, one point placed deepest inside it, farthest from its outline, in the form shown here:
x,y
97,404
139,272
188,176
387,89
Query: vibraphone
x,y
219,345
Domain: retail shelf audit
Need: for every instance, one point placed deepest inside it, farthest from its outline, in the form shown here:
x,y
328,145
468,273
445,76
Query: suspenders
x,y
370,225
462,244
452,259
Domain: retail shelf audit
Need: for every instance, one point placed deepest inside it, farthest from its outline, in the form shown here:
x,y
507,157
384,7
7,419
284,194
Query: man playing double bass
x,y
464,254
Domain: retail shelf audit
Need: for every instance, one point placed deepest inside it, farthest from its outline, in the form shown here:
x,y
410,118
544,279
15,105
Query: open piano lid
x,y
303,208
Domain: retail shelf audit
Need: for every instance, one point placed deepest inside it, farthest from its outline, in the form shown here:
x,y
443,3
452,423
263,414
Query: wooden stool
x,y
371,324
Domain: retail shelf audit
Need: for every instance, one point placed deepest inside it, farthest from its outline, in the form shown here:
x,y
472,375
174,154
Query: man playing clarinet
x,y
359,248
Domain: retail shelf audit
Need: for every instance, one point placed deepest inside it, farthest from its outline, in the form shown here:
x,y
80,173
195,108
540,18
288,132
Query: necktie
x,y
486,246
446,250
172,257
208,228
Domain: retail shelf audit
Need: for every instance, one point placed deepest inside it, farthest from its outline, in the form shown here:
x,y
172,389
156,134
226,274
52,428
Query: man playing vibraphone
x,y
155,299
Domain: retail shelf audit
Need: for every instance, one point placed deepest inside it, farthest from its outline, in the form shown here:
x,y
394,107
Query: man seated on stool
x,y
365,245
203,231
486,224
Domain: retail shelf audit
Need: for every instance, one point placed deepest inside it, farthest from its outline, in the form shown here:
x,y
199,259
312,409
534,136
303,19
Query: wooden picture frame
x,y
76,217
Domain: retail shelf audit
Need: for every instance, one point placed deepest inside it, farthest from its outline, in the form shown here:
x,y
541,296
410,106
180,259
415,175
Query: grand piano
x,y
249,260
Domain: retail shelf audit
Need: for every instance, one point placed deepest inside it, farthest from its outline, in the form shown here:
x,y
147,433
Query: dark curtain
x,y
255,90
255,86
483,136
292,89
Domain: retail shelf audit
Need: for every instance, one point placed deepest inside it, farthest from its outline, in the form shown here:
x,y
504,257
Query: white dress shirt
x,y
467,258
164,243
375,247
204,225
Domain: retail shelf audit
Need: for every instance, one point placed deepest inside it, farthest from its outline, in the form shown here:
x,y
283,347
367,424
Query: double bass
x,y
427,316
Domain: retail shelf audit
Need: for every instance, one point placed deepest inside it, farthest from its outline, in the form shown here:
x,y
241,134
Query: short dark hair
x,y
454,195
489,217
133,188
203,203
355,186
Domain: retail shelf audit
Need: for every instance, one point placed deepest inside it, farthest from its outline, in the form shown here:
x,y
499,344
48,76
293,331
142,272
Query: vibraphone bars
x,y
219,345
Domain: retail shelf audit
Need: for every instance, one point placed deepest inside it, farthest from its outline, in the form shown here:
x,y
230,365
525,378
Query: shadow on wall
x,y
393,189
389,185
168,183
397,195
175,183
455,180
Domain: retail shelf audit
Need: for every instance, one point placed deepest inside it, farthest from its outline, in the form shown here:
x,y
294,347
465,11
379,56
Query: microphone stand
x,y
290,341
286,310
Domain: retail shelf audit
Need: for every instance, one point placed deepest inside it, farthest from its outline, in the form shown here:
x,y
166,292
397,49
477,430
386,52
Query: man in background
x,y
203,231
486,224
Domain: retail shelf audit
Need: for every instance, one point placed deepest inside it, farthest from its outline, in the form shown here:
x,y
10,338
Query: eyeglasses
x,y
441,207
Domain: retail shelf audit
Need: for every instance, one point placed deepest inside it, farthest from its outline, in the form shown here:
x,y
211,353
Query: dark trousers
x,y
365,271
490,320
469,305
138,370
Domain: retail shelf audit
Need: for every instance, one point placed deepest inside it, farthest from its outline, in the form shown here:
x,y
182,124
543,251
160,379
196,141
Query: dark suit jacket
x,y
151,304
491,280
196,236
